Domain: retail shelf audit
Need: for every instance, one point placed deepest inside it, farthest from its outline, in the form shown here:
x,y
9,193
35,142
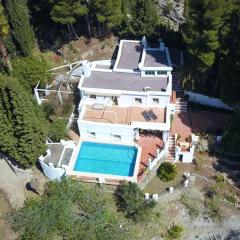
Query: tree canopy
x,y
30,71
24,128
21,28
69,210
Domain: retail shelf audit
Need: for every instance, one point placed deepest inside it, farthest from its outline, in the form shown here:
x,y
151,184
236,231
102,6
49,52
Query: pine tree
x,y
24,127
108,14
66,12
4,31
229,64
143,17
22,30
201,35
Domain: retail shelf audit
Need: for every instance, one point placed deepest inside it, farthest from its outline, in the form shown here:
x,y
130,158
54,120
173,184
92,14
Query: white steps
x,y
181,105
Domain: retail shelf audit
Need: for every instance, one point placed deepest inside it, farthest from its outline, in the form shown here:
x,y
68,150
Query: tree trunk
x,y
73,30
88,26
6,59
69,30
99,30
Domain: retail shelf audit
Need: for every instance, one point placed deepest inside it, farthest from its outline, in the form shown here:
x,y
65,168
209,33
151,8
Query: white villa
x,y
128,102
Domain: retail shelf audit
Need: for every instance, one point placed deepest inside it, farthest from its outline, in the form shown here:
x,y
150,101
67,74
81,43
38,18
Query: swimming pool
x,y
104,158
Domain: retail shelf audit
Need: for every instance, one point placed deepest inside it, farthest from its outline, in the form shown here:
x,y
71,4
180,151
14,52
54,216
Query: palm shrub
x,y
167,171
130,200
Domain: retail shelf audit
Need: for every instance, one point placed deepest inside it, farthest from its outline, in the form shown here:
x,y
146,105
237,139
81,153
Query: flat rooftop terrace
x,y
125,115
156,58
129,55
124,81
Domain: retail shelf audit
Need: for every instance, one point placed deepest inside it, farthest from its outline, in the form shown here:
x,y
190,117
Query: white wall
x,y
105,131
126,100
205,100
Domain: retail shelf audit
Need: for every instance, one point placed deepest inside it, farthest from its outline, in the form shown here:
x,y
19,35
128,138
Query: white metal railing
x,y
154,161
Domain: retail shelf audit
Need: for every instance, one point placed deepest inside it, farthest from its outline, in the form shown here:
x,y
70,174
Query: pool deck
x,y
149,144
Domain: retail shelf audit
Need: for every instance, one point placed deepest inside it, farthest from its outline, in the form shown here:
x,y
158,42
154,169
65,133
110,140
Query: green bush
x,y
174,233
130,200
167,171
57,130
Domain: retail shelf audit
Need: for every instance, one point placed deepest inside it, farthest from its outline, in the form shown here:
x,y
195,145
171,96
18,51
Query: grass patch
x,y
193,204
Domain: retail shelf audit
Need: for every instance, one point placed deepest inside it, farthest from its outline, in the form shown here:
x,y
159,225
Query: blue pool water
x,y
106,159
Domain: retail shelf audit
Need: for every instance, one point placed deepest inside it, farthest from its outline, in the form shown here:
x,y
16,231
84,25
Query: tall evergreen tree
x,y
23,124
201,34
4,31
66,12
22,30
143,17
108,14
229,64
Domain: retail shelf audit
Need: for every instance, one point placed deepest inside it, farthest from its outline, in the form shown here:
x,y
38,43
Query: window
x,y
92,96
149,73
155,100
138,100
117,137
91,134
161,72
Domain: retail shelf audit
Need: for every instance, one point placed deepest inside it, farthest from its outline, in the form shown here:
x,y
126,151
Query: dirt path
x,y
12,185
5,229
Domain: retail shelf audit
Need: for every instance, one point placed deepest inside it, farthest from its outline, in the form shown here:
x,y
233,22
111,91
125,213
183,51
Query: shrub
x,y
174,233
29,71
57,130
167,171
130,200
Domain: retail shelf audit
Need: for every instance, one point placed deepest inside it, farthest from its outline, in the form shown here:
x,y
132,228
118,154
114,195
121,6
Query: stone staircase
x,y
171,149
181,105
176,82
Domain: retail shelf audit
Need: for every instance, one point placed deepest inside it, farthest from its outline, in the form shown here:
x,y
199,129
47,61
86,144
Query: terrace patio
x,y
150,142
124,115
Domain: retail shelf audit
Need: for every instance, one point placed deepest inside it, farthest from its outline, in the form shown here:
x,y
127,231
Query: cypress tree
x,y
4,31
24,127
22,30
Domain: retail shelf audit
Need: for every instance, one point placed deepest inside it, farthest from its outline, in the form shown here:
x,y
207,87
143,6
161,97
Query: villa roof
x,y
124,81
125,115
156,58
130,55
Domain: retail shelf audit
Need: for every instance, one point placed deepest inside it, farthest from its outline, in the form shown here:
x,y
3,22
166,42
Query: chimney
x,y
86,68
144,42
